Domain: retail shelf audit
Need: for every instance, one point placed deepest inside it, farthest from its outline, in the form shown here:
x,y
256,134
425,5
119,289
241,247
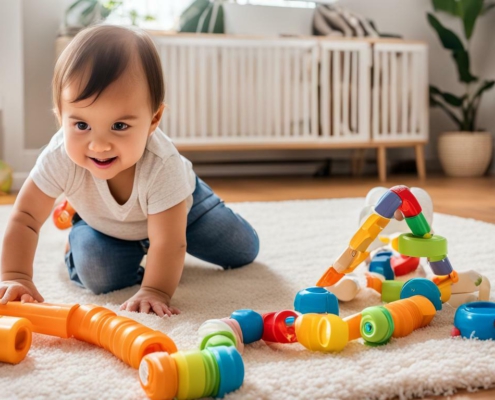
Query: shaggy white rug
x,y
299,239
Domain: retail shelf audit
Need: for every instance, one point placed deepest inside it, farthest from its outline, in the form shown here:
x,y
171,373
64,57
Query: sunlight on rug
x,y
299,240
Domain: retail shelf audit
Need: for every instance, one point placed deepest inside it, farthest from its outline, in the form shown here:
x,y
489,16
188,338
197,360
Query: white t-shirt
x,y
163,178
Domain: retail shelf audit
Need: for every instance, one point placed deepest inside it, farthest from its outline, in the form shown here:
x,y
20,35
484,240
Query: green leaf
x,y
448,38
434,102
484,86
149,18
472,9
448,6
461,58
449,98
89,10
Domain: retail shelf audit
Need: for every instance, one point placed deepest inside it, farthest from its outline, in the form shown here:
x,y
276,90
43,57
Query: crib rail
x,y
285,90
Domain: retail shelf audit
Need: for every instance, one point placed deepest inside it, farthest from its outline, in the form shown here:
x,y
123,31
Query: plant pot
x,y
466,154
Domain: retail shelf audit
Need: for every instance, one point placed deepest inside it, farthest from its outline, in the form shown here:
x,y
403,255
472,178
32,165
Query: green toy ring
x,y
377,325
410,245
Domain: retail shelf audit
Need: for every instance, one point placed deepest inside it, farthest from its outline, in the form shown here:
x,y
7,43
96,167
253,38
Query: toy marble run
x,y
164,372
421,243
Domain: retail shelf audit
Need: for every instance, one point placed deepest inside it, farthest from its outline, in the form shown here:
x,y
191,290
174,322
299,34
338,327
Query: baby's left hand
x,y
148,299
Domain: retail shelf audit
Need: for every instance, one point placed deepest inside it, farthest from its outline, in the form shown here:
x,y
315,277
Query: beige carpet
x,y
299,239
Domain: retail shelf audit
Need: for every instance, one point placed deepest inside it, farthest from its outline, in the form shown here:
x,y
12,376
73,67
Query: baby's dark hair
x,y
104,52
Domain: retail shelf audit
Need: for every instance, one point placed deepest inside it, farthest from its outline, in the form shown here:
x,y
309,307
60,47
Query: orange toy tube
x,y
125,338
354,324
15,339
410,314
48,319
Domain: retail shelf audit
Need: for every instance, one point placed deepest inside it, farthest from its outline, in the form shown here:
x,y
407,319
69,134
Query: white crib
x,y
236,93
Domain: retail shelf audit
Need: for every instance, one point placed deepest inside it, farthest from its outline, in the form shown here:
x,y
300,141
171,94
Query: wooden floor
x,y
470,198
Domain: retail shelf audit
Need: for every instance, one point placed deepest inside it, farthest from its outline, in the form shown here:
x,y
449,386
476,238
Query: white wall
x,y
40,20
409,19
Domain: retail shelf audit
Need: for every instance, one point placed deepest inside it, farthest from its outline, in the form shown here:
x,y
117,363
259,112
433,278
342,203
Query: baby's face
x,y
108,136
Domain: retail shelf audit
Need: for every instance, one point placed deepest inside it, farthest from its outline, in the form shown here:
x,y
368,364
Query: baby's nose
x,y
99,144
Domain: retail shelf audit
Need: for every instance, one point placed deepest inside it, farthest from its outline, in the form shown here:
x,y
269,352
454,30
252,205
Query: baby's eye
x,y
119,126
82,126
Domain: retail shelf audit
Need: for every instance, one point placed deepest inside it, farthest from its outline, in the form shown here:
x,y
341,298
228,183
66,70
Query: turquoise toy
x,y
381,264
251,324
316,300
423,287
476,320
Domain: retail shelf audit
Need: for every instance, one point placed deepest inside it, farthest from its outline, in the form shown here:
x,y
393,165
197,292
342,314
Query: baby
x,y
133,192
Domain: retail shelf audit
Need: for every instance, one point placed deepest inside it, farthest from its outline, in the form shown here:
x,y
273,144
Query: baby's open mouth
x,y
103,161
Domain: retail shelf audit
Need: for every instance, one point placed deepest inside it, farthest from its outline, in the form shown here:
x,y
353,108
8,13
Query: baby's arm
x,y
164,262
31,209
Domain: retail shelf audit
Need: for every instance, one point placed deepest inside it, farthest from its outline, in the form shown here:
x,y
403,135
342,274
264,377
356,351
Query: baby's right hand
x,y
22,289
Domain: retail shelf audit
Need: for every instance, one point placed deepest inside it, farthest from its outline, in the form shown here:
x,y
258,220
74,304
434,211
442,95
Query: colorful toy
x,y
164,372
420,244
470,287
62,215
316,300
278,327
15,337
251,324
475,320
376,325
346,289
123,337
394,227
212,372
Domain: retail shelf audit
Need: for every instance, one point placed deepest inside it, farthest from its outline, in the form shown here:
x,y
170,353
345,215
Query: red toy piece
x,y
410,206
277,329
403,265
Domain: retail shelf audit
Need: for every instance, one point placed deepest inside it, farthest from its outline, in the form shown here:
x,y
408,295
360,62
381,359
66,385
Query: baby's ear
x,y
156,118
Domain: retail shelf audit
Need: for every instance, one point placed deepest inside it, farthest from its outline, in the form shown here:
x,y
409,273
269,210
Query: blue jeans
x,y
214,233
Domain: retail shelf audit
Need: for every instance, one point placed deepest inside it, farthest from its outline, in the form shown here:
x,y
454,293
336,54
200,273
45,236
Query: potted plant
x,y
468,151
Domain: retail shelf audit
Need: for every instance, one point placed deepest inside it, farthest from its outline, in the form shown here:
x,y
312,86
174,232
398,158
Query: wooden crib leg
x,y
382,163
420,161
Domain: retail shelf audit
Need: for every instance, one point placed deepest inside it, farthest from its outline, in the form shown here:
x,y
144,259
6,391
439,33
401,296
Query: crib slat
x,y
354,90
336,95
315,125
414,93
376,93
325,92
215,98
305,93
384,93
296,98
277,93
224,84
393,93
203,105
405,92
234,91
287,93
345,95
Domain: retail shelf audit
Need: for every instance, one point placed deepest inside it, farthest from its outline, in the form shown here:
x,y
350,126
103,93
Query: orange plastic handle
x,y
125,338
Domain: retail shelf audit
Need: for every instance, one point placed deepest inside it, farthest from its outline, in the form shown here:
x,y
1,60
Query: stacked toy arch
x,y
419,243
